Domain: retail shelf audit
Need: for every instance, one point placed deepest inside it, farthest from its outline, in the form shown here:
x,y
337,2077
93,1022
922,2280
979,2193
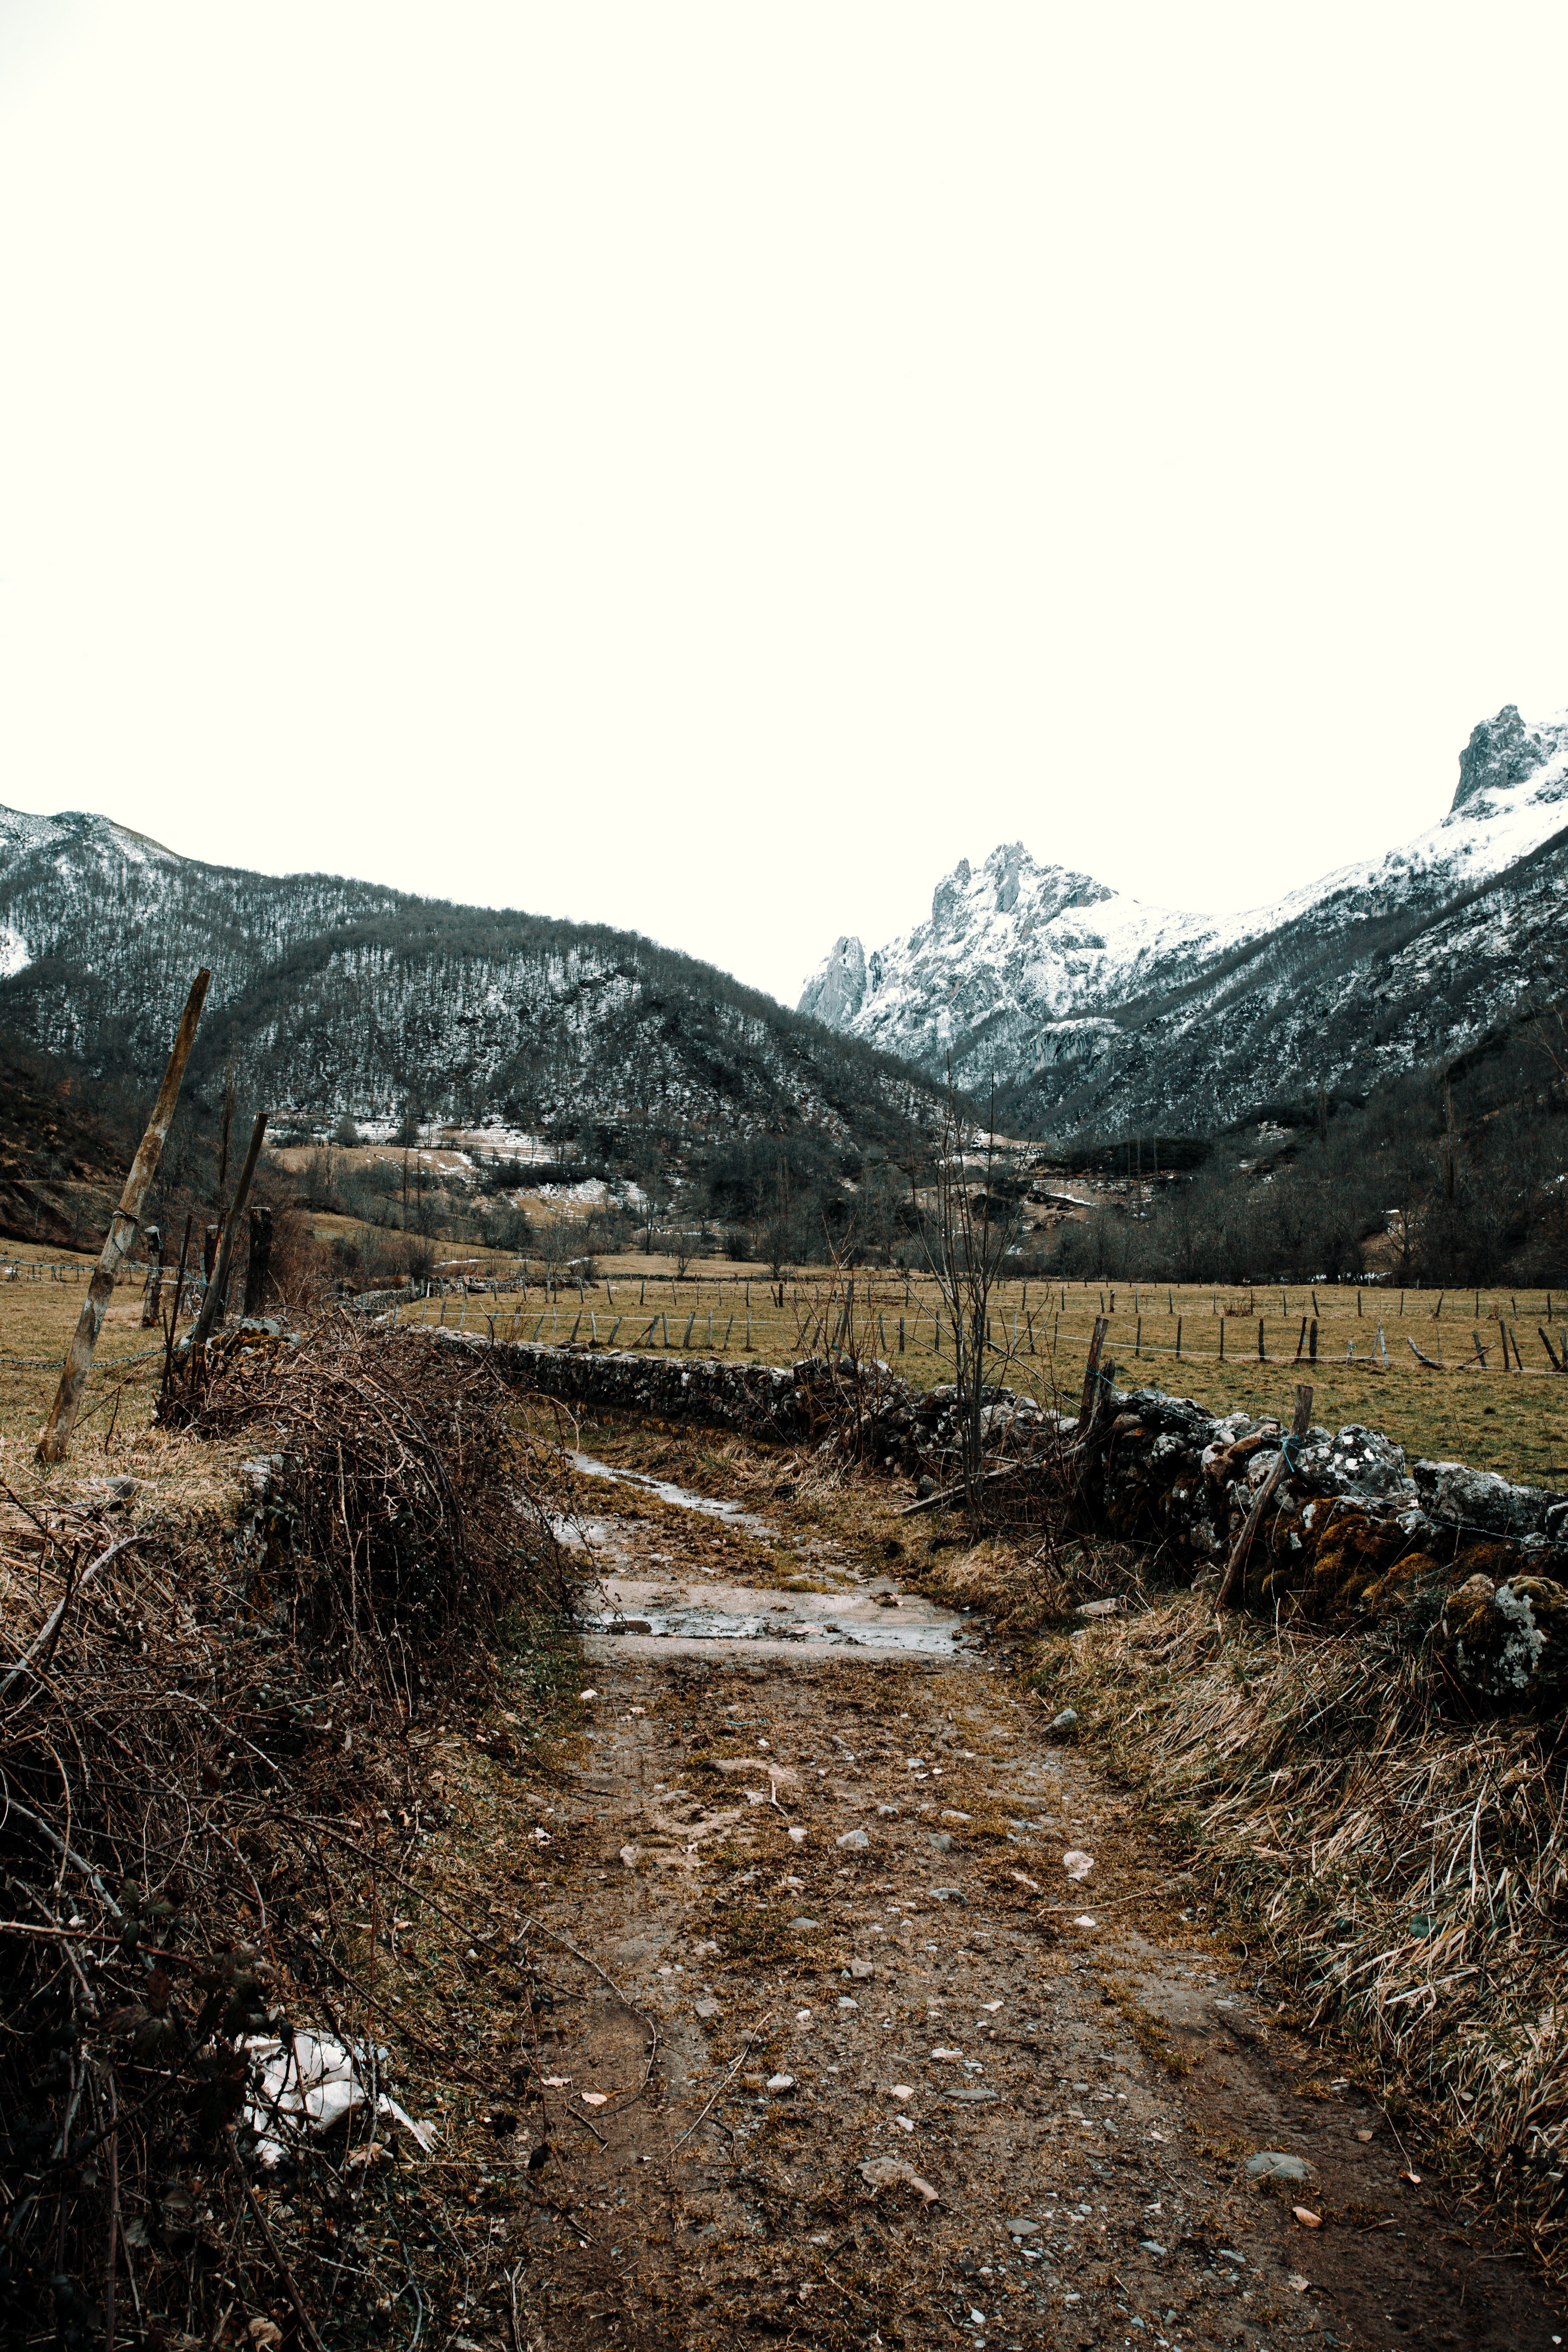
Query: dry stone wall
x,y
1351,1530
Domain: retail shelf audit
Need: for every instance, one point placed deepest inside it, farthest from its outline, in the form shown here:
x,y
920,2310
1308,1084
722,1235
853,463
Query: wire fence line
x,y
1011,1336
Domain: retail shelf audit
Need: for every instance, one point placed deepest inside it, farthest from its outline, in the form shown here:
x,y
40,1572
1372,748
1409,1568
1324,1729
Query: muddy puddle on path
x,y
668,1490
636,1611
866,2065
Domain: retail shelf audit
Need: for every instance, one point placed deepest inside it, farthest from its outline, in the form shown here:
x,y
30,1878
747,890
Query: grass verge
x,y
1406,1866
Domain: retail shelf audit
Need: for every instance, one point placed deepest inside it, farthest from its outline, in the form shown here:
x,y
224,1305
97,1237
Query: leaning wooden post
x,y
219,1282
55,1435
1236,1572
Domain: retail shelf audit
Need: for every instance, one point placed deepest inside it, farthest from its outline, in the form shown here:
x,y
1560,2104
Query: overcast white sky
x,y
709,467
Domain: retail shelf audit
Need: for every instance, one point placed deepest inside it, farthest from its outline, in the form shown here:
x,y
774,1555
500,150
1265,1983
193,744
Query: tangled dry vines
x,y
206,1791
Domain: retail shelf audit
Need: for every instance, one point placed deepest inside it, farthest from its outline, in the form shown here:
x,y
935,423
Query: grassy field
x,y
114,1435
1503,1420
1509,1421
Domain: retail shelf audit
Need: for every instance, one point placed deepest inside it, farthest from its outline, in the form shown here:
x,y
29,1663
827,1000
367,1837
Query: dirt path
x,y
873,2069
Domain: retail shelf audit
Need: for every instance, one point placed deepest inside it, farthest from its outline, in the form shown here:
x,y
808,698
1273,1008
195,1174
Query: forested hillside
x,y
336,998
1453,1174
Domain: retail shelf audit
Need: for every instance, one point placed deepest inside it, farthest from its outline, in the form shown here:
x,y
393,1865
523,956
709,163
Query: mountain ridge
x,y
1082,1005
337,998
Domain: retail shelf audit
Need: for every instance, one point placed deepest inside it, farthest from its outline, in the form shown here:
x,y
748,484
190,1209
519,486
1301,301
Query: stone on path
x,y
1272,2164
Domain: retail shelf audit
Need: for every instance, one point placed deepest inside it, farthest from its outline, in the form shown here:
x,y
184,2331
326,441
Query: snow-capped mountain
x,y
1091,1010
341,998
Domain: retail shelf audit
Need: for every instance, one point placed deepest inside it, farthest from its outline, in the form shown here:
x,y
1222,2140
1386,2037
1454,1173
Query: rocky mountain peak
x,y
1504,752
1008,883
948,894
1003,868
1101,1011
836,990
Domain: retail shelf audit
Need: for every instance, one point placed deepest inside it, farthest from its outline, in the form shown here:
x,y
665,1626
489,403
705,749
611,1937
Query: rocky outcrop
x,y
1350,1531
836,991
1504,752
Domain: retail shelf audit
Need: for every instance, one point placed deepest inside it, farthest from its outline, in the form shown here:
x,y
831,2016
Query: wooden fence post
x,y
1091,1375
258,1266
213,1302
152,1300
55,1435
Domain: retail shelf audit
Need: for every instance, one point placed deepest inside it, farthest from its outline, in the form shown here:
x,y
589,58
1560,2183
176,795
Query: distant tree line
x,y
1457,1174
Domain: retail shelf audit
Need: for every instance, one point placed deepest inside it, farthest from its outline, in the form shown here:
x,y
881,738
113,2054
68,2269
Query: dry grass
x,y
217,1792
1407,1867
178,1478
451,1257
37,1321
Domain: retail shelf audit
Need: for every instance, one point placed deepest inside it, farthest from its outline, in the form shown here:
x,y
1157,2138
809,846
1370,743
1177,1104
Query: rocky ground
x,y
865,2016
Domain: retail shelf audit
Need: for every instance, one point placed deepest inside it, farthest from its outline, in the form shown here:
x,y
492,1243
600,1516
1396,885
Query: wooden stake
x,y
1233,1573
259,1265
1091,1373
55,1435
213,1302
173,1324
153,1304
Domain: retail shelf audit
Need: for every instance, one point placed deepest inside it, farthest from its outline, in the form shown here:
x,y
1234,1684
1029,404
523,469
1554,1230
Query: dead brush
x,y
409,1489
1408,1869
209,1815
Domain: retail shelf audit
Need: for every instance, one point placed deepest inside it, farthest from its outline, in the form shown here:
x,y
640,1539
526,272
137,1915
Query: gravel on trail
x,y
872,2061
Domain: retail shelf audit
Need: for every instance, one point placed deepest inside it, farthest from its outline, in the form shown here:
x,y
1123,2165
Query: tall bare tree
x,y
968,1232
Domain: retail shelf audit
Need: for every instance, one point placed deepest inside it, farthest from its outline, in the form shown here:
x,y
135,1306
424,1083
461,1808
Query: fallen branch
x,y
57,1616
956,1494
307,2325
1420,1358
752,2038
70,1854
